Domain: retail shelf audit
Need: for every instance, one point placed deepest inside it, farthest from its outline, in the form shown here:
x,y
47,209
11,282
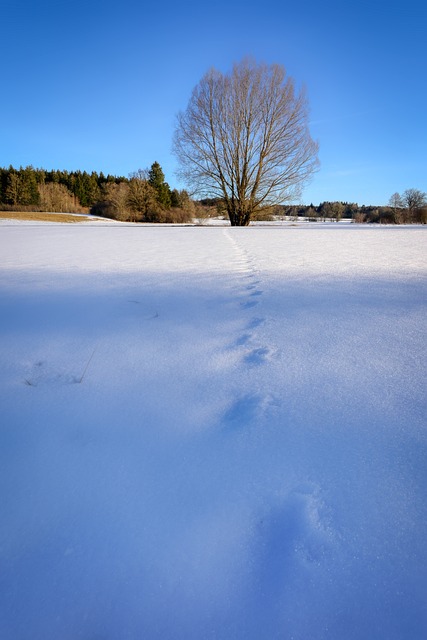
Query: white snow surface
x,y
213,432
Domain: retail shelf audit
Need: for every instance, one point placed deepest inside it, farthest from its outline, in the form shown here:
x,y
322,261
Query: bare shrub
x,y
173,216
56,197
265,215
116,195
359,217
421,215
104,209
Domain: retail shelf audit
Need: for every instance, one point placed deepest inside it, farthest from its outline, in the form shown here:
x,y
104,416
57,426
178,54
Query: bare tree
x,y
414,200
244,138
56,197
396,204
142,197
395,201
116,196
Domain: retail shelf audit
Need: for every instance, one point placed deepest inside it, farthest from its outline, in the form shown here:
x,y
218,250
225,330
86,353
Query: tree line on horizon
x,y
408,208
145,196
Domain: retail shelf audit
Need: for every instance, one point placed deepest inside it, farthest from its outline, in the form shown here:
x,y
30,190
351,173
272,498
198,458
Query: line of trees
x,y
51,190
408,208
144,196
411,206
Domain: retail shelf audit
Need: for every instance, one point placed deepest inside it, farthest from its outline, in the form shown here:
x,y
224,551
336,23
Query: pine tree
x,y
156,179
12,190
29,194
4,173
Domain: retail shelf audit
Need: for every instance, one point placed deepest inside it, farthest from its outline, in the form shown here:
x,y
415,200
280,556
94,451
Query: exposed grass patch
x,y
41,217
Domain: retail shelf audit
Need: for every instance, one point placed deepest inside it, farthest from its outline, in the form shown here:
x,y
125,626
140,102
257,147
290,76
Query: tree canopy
x,y
244,138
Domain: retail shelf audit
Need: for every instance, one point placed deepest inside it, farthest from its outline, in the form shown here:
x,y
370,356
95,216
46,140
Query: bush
x,y
262,216
359,218
378,216
105,209
421,216
386,217
173,216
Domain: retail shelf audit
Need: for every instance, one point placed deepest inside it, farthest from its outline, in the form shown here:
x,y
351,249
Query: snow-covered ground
x,y
210,432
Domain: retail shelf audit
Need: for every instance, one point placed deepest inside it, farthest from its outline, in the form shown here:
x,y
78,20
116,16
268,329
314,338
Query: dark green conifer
x,y
156,178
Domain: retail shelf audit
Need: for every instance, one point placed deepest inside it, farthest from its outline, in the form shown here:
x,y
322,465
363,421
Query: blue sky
x,y
96,84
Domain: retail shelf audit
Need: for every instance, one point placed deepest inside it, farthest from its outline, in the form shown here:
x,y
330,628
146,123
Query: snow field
x,y
212,432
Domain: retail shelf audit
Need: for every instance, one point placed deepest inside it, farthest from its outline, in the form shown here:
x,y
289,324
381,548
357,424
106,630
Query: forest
x,y
145,196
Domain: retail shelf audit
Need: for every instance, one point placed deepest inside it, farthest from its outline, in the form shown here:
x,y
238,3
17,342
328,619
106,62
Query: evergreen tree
x,y
4,173
156,178
175,199
12,189
28,192
181,200
21,187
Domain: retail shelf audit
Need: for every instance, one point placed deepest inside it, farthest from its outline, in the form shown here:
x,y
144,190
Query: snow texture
x,y
212,432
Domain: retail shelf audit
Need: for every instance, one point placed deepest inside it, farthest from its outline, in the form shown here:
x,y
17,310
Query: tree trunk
x,y
239,219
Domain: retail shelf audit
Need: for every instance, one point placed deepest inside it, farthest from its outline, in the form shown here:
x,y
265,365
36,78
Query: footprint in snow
x,y
255,322
246,410
258,356
295,532
249,304
244,339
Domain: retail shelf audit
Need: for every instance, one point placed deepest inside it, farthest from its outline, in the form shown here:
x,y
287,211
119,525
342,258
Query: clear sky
x,y
96,84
